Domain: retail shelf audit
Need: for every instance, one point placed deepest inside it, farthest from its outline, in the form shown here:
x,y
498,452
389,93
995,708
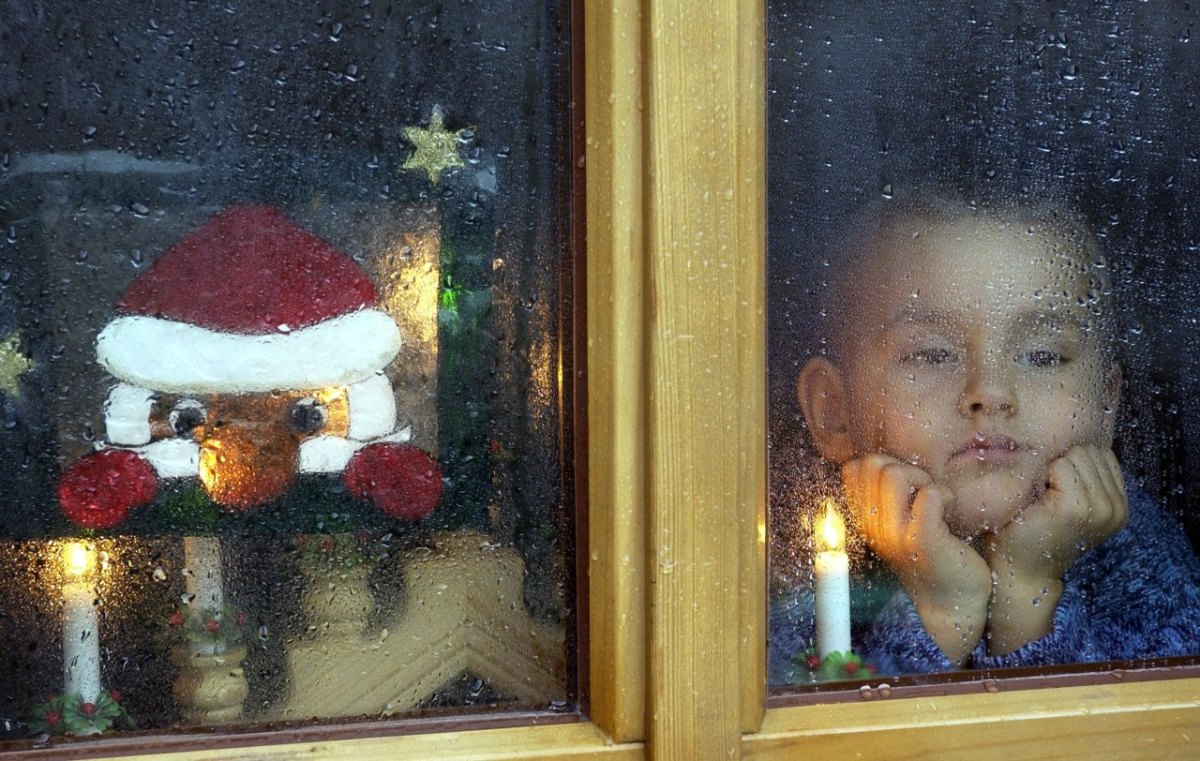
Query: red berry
x,y
97,491
212,626
850,667
176,619
88,709
240,618
813,662
53,718
115,695
405,482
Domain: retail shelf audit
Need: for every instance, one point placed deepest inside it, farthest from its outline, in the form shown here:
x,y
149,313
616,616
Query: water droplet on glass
x,y
990,685
89,132
866,693
887,190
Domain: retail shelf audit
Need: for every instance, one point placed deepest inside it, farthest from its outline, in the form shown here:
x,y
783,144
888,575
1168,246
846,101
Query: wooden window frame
x,y
675,156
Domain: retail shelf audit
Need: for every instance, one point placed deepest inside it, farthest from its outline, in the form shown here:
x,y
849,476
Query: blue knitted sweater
x,y
1137,595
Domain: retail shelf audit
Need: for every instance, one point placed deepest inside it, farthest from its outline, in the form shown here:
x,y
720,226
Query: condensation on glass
x,y
281,348
982,339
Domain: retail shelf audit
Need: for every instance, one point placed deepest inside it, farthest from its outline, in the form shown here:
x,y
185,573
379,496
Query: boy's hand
x,y
1083,505
899,511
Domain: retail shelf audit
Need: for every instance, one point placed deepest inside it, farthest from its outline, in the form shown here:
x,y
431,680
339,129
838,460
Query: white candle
x,y
81,631
831,581
204,582
202,557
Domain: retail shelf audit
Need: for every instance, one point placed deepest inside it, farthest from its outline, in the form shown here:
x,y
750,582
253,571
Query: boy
x,y
970,404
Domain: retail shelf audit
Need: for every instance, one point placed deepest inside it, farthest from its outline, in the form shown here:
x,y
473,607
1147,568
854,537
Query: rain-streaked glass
x,y
981,230
282,304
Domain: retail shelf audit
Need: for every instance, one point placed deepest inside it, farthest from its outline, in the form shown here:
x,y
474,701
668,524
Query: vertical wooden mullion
x,y
616,381
704,377
751,401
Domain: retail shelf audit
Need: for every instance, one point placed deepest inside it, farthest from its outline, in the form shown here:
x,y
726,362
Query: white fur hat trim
x,y
166,355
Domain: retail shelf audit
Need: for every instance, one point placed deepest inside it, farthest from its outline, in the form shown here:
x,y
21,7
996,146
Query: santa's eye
x,y
186,415
307,416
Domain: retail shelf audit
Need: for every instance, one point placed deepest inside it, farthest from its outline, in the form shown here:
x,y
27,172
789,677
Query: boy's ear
x,y
823,400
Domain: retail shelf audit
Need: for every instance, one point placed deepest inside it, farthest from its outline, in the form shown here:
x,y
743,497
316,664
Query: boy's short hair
x,y
889,220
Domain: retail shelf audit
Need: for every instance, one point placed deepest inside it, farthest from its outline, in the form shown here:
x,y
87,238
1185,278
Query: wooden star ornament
x,y
436,147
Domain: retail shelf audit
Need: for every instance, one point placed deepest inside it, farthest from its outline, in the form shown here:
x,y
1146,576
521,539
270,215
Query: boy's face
x,y
980,361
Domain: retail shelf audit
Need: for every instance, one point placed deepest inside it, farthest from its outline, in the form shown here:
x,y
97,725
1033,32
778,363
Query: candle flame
x,y
831,534
78,558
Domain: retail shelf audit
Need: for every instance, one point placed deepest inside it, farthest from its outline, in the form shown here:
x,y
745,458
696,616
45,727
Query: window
x,y
980,226
287,366
647,69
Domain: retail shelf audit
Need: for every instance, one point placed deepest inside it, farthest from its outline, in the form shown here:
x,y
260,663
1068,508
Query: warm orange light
x,y
210,464
78,558
831,533
330,395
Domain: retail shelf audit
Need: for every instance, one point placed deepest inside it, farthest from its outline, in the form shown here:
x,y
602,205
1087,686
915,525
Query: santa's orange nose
x,y
244,465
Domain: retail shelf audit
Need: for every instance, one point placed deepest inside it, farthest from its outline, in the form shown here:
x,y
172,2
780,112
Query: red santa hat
x,y
249,302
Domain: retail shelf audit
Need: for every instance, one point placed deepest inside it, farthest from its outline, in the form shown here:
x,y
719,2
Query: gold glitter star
x,y
436,148
13,364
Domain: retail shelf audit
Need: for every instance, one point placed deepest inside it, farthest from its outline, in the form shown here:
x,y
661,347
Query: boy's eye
x,y
929,356
1041,358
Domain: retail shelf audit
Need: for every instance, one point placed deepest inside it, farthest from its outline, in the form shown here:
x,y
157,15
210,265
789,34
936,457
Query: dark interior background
x,y
1094,103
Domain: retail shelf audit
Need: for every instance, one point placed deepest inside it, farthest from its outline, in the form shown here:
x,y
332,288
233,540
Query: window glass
x,y
282,289
982,337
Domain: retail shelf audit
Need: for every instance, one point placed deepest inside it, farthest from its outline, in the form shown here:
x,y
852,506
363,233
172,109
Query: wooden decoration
x,y
463,611
210,688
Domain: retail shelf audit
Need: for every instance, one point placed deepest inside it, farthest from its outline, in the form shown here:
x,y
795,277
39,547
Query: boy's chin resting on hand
x,y
1084,504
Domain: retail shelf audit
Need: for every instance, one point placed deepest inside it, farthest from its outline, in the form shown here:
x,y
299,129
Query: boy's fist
x,y
1084,504
900,512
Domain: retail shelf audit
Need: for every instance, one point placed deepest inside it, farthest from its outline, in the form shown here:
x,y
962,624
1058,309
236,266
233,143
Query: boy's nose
x,y
987,392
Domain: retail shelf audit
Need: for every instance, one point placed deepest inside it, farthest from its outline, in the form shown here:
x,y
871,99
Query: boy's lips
x,y
987,447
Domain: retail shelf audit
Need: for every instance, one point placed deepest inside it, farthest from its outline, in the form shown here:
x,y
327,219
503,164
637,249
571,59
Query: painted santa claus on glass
x,y
247,353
